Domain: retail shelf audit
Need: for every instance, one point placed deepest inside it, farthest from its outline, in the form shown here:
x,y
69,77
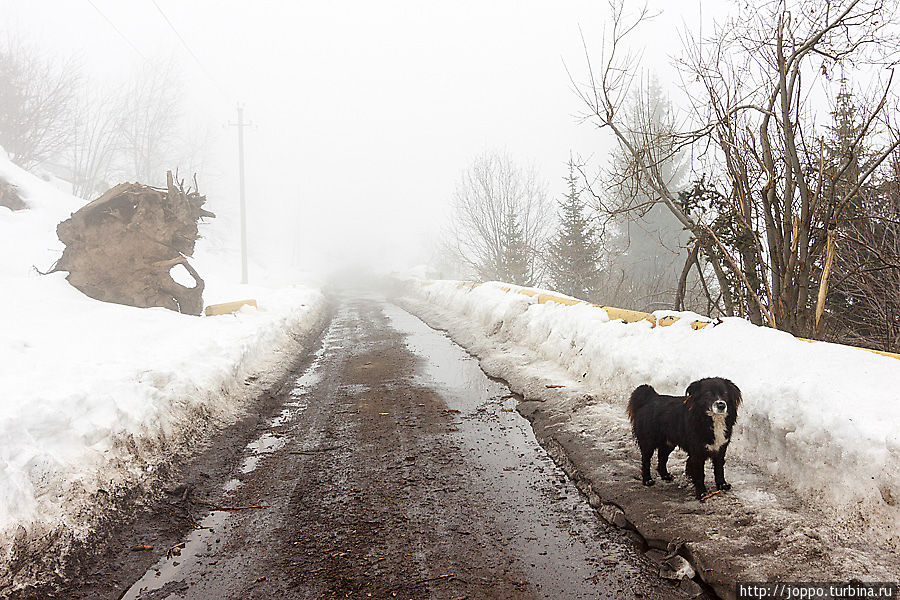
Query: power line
x,y
188,48
119,31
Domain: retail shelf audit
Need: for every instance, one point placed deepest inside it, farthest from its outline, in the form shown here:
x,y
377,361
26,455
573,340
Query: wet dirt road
x,y
396,469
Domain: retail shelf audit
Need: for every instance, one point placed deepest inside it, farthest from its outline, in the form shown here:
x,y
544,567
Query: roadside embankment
x,y
97,400
815,474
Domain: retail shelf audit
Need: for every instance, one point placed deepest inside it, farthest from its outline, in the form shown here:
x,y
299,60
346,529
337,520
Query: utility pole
x,y
240,125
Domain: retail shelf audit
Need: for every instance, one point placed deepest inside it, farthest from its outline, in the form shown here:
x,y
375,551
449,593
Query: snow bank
x,y
821,418
96,397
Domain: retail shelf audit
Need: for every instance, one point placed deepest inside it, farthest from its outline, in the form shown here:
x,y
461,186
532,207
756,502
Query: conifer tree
x,y
575,252
862,263
647,248
842,152
514,261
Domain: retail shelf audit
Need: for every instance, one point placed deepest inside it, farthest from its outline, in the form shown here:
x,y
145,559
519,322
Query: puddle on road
x,y
308,379
203,540
565,549
265,444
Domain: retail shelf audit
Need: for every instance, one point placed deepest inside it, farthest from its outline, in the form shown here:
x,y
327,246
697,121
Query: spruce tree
x,y
842,155
850,302
575,252
648,247
514,252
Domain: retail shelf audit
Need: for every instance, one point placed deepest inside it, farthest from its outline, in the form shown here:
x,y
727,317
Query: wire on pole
x,y
188,48
119,31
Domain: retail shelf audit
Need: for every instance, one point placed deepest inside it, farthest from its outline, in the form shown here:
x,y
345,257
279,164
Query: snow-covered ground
x,y
820,418
96,397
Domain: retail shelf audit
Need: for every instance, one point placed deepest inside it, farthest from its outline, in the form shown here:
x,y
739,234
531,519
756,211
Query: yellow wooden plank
x,y
873,351
629,316
667,320
228,307
670,320
544,298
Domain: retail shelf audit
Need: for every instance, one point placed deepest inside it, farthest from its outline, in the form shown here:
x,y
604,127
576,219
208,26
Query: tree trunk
x,y
682,280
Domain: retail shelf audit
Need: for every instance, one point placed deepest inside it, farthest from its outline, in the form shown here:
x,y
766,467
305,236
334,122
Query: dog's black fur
x,y
663,422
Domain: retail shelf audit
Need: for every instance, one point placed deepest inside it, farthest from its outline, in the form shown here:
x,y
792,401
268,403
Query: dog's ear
x,y
734,393
692,392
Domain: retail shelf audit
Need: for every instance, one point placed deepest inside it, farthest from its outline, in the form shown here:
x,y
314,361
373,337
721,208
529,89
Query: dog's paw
x,y
648,482
724,486
701,494
667,477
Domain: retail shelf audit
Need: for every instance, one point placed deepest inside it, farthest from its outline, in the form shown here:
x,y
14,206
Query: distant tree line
x,y
90,133
743,200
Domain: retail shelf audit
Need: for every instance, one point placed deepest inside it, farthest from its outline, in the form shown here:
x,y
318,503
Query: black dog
x,y
699,423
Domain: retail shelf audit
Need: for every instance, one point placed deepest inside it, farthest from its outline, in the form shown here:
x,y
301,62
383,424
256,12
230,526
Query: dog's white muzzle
x,y
720,407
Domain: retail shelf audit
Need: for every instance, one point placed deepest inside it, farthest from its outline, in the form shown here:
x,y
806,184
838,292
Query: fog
x,y
364,113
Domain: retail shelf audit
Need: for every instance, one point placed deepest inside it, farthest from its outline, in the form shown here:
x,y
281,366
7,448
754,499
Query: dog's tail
x,y
639,398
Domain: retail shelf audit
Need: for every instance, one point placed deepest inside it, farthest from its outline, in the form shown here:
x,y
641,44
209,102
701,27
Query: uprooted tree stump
x,y
9,196
122,246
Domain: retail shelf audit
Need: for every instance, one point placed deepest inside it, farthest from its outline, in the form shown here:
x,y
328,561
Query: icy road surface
x,y
396,469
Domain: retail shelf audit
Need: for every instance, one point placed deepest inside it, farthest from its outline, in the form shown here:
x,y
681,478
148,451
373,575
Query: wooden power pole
x,y
240,127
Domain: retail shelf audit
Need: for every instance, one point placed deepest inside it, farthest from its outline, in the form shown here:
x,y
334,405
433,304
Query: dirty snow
x,y
820,419
95,397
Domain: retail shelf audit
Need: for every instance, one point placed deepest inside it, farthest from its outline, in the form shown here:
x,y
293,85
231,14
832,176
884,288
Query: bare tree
x,y
95,144
194,141
151,113
501,221
37,98
753,90
135,132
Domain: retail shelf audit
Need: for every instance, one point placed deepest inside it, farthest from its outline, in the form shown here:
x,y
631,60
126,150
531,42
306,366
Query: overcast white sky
x,y
367,112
